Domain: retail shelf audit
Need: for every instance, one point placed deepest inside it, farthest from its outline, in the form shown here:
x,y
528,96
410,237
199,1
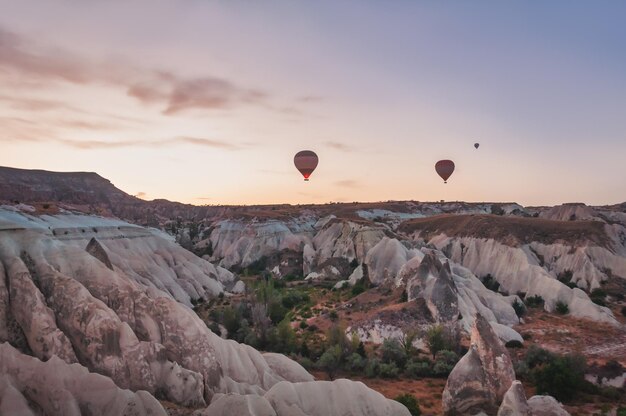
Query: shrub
x,y
562,308
329,361
410,402
514,344
294,298
623,310
404,297
519,308
355,363
354,263
372,368
445,362
565,276
491,283
417,369
534,301
306,363
389,370
598,296
435,339
562,377
333,315
393,352
361,350
536,356
358,288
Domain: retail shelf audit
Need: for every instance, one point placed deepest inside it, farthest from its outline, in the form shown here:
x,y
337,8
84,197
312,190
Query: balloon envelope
x,y
306,162
476,145
444,169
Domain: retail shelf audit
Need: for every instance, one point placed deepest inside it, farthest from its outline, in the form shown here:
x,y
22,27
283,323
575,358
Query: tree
x,y
407,342
410,402
393,352
561,377
435,340
330,360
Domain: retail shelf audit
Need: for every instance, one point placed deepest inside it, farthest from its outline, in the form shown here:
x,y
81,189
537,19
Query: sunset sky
x,y
206,102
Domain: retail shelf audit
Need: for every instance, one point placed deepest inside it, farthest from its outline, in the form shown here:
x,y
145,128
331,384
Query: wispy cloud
x,y
141,195
105,144
348,183
339,146
22,58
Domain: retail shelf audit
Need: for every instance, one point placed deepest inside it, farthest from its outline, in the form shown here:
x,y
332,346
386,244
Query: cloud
x,y
141,195
104,144
204,198
25,59
348,183
339,146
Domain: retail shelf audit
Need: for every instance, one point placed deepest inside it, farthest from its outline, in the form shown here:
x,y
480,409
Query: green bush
x,y
330,360
562,308
536,356
598,296
623,311
418,369
534,301
410,402
561,377
393,352
519,308
445,362
293,298
491,283
514,344
355,363
389,370
358,288
372,368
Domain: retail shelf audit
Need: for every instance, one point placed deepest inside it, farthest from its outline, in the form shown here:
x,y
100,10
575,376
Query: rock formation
x,y
481,378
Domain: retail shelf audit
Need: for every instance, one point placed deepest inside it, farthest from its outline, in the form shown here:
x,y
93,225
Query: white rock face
x,y
340,397
482,377
517,269
64,389
386,258
514,402
124,318
546,406
242,243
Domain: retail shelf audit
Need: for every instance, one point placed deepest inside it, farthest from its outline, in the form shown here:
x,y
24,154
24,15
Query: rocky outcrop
x,y
95,249
58,388
241,243
340,397
482,377
130,323
546,406
514,402
521,270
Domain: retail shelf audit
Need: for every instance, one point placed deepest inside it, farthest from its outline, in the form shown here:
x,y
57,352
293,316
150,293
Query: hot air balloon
x,y
306,162
476,145
444,169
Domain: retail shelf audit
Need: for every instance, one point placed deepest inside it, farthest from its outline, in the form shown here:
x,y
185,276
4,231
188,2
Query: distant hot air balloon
x,y
444,169
476,145
306,162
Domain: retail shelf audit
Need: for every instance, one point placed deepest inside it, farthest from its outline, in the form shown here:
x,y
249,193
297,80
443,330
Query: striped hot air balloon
x,y
306,162
444,169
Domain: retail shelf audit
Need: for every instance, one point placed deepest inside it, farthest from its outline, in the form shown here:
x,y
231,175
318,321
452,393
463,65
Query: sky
x,y
206,102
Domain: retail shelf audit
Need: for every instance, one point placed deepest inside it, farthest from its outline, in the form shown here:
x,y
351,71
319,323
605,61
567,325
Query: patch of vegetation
x,y
598,296
410,402
514,344
491,283
519,308
535,301
562,308
561,377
